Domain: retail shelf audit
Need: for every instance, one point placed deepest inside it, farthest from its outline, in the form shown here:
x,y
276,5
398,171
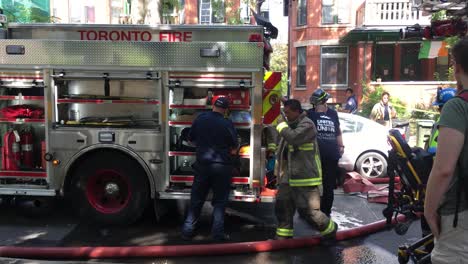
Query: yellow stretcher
x,y
413,166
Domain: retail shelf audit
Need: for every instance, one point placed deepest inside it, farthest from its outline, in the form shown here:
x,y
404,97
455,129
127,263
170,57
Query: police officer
x,y
351,102
215,138
300,175
330,142
443,95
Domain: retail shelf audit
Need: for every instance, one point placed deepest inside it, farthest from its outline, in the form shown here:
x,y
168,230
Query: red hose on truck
x,y
181,250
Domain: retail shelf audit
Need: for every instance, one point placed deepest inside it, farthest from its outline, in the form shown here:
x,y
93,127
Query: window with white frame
x,y
212,11
336,11
302,12
244,12
173,12
90,14
301,55
334,66
76,12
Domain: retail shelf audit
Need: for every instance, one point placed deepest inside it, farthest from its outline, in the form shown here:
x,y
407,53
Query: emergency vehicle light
x,y
15,49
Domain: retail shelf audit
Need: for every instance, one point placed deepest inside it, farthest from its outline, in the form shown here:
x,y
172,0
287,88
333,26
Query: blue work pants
x,y
214,176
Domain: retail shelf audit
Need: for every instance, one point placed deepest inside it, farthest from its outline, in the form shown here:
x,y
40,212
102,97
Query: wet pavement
x,y
245,222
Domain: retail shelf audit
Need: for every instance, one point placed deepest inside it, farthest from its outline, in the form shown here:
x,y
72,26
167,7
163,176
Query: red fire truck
x,y
99,113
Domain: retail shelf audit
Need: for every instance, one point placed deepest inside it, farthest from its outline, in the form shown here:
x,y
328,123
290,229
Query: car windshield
x,y
349,125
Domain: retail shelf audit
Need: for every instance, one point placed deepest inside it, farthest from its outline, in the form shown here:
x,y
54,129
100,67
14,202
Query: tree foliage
x,y
373,96
279,62
17,12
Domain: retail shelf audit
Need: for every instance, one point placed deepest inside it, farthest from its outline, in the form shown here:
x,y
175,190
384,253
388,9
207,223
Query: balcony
x,y
390,13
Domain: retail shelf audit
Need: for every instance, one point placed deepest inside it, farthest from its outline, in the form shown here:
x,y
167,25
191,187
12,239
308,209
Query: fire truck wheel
x,y
109,188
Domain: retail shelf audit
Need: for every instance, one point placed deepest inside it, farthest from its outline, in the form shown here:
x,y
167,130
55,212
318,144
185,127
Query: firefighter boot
x,y
329,234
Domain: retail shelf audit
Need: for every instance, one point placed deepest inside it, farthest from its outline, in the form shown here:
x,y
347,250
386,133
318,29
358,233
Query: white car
x,y
366,147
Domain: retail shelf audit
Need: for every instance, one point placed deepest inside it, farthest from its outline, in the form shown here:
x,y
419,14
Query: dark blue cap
x,y
222,102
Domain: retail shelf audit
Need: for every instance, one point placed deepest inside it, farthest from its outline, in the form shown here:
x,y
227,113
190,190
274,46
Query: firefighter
x,y
330,142
299,171
443,95
216,140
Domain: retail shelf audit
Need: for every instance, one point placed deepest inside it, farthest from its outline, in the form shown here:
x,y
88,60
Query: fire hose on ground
x,y
184,250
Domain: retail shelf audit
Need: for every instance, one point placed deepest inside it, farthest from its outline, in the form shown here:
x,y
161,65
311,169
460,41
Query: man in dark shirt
x,y
215,138
330,144
351,102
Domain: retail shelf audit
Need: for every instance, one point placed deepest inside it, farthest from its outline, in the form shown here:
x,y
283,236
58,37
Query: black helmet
x,y
319,96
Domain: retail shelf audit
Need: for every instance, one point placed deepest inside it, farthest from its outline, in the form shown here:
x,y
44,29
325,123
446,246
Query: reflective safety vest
x,y
298,156
432,143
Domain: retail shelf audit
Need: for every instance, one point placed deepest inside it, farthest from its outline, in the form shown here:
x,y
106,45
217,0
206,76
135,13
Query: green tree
x,y
20,12
279,62
373,96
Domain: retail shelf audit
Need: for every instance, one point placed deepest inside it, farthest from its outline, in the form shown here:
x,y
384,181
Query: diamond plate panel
x,y
158,55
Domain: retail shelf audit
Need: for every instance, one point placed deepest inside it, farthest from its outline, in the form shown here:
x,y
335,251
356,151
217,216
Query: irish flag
x,y
433,49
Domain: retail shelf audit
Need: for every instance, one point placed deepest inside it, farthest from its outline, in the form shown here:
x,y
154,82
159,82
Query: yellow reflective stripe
x,y
304,147
272,146
305,182
266,101
319,165
267,75
285,232
266,105
329,229
274,122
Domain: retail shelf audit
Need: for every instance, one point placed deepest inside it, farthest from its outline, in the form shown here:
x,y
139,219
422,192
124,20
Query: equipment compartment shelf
x,y
186,153
232,107
21,120
108,101
189,179
30,174
187,123
21,97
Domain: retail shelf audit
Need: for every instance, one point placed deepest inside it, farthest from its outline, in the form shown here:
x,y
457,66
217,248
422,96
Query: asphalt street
x,y
245,222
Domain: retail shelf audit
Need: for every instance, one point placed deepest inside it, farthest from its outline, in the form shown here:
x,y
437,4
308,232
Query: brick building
x,y
336,44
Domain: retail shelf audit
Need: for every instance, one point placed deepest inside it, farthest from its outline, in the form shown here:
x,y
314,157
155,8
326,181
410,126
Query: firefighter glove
x,y
281,126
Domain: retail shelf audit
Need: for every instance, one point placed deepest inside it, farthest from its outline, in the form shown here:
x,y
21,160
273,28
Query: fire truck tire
x,y
109,188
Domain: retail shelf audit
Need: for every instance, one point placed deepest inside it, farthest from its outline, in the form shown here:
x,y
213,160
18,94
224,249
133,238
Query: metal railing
x,y
393,13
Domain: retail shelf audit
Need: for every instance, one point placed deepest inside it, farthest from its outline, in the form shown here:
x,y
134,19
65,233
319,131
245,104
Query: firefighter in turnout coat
x,y
300,174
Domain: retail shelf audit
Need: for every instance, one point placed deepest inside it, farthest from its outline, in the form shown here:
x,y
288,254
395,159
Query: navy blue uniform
x,y
214,137
328,129
351,104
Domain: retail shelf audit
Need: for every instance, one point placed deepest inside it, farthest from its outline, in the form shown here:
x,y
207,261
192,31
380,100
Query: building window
x,y
442,69
89,14
76,11
334,66
384,61
410,64
302,12
244,12
301,66
336,11
212,11
173,12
